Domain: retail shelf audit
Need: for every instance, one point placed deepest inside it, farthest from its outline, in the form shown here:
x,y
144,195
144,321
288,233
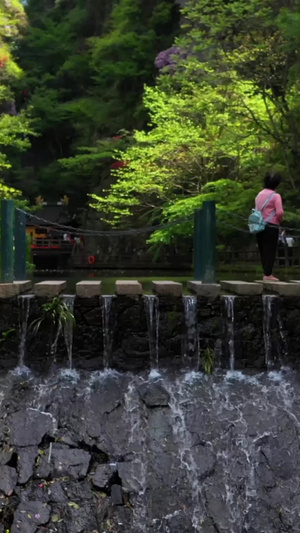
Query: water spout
x,y
268,301
191,341
229,306
274,336
68,327
152,313
107,329
24,310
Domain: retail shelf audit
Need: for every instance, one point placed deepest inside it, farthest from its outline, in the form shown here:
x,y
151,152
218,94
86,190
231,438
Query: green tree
x,y
14,127
225,109
86,64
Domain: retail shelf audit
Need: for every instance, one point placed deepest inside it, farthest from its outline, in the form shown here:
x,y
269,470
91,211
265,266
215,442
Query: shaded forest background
x,y
150,107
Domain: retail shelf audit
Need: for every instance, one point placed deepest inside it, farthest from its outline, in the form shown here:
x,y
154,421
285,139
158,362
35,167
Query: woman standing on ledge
x,y
270,204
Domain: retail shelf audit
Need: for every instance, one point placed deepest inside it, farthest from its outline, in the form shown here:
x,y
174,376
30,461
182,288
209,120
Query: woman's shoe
x,y
270,278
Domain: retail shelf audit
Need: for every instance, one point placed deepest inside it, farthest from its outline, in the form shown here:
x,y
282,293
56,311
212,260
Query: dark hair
x,y
272,180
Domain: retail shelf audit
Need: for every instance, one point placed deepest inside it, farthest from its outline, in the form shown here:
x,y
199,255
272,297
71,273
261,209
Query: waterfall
x,y
283,337
191,453
274,349
191,342
267,309
69,326
107,329
229,306
179,397
152,313
24,310
137,443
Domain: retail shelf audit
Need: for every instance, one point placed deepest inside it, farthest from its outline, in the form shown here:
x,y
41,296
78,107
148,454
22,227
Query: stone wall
x,y
116,453
123,336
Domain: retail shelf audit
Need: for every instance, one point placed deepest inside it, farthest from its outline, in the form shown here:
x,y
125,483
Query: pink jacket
x,y
275,204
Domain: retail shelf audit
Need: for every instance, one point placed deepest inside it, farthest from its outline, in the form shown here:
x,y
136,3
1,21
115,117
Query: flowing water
x,y
268,310
276,348
134,415
194,453
191,341
180,399
152,313
69,327
107,326
229,306
191,453
24,311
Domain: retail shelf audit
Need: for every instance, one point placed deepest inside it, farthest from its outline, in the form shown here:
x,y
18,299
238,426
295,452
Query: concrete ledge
x,y
282,288
88,289
128,288
294,281
208,290
23,286
8,290
49,289
167,288
243,288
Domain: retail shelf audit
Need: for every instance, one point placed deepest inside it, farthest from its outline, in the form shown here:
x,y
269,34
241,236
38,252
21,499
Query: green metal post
x,y
20,245
209,242
7,241
198,245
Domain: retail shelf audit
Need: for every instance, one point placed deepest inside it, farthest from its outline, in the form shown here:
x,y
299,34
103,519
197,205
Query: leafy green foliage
x,y
208,361
85,67
6,335
55,314
14,128
227,111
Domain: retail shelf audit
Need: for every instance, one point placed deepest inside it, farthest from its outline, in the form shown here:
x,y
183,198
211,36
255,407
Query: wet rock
x,y
205,460
129,474
179,522
93,317
78,491
103,476
43,468
28,427
116,495
102,510
69,462
154,395
6,455
218,510
56,493
29,516
120,513
265,473
64,436
26,462
8,479
80,519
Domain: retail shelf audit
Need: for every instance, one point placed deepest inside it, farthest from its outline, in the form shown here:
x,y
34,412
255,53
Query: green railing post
x,y
209,242
7,240
20,245
198,248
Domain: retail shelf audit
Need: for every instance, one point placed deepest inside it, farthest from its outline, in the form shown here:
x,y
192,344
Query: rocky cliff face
x,y
150,453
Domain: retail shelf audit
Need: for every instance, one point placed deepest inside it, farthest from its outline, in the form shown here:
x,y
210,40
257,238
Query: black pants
x,y
267,241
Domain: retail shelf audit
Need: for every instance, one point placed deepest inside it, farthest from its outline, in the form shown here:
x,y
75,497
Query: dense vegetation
x,y
14,127
113,99
225,109
85,64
